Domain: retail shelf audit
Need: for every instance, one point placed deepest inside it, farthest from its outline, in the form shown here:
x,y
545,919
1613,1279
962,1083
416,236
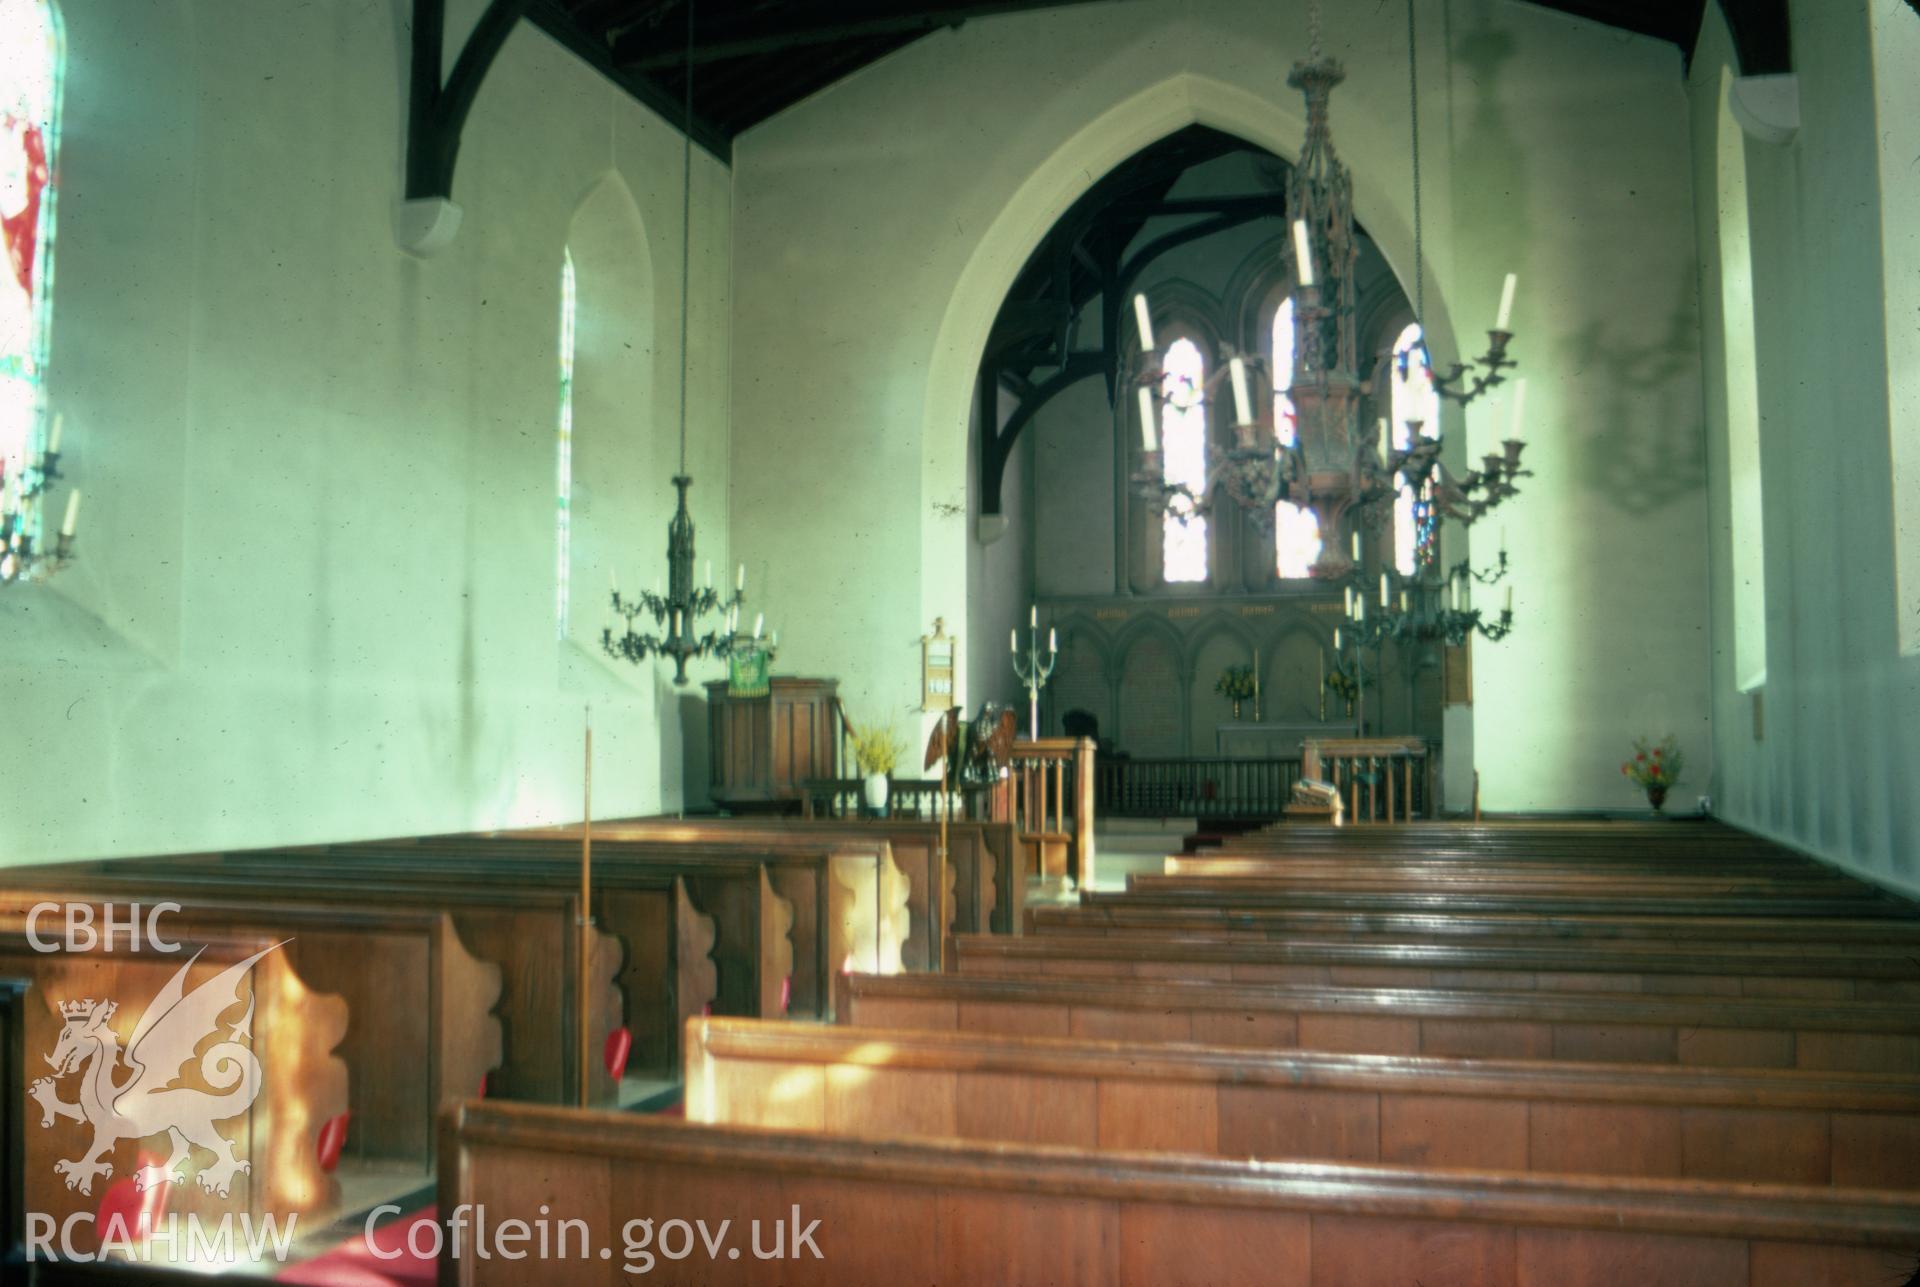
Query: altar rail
x,y
1195,788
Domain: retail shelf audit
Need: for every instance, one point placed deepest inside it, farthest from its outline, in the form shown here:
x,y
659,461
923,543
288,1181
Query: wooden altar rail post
x,y
1343,761
1041,804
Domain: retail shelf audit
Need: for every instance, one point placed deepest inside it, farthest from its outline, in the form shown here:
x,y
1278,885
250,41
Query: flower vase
x,y
1657,797
1236,708
875,790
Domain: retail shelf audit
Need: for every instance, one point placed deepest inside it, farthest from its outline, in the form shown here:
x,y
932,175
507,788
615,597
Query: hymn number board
x,y
937,653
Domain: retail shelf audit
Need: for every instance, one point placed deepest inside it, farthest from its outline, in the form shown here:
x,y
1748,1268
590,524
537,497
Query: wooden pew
x,y
1833,1036
1647,966
952,1211
421,1031
1108,914
849,899
1242,893
530,933
675,960
294,1031
1356,868
1676,1123
983,892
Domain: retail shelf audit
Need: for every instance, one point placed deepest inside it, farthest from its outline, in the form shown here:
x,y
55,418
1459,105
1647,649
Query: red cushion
x,y
333,1138
614,1053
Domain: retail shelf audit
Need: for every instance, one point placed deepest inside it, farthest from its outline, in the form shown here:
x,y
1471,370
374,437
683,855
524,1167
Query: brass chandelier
x,y
1331,463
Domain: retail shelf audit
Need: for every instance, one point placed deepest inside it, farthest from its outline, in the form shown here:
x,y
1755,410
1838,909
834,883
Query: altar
x,y
1243,740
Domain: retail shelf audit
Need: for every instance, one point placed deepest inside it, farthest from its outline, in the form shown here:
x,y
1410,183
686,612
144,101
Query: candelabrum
x,y
681,607
1428,607
22,557
1034,669
1325,459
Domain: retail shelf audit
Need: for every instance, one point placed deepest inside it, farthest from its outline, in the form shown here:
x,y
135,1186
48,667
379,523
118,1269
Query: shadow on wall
x,y
1642,441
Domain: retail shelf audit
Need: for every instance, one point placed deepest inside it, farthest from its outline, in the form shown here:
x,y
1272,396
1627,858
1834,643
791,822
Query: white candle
x,y
1051,645
709,574
1303,252
53,439
1242,403
1506,302
1348,593
759,620
1453,593
1143,320
1386,439
1403,601
740,578
1148,438
1503,545
1359,607
1519,406
1013,641
1336,641
1509,600
1384,590
73,512
1033,616
1356,547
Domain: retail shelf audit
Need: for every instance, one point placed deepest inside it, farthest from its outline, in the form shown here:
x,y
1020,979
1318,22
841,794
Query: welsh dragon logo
x,y
132,1095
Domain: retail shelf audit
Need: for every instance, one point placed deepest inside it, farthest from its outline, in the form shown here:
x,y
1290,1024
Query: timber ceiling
x,y
754,58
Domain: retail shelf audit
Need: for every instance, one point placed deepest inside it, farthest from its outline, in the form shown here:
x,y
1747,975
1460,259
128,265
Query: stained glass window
x,y
1183,441
31,65
563,516
1296,531
1413,402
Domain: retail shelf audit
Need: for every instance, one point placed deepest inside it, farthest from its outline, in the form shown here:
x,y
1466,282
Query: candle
x,y
53,439
1013,641
1453,593
1347,592
1051,645
1503,542
73,513
1383,589
1506,302
1148,439
709,574
1509,611
1033,616
1386,439
1143,320
1336,643
1403,601
759,620
1242,403
1519,406
1359,608
740,578
1303,252
1356,547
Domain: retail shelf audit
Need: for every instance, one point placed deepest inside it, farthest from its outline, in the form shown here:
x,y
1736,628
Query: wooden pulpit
x,y
762,750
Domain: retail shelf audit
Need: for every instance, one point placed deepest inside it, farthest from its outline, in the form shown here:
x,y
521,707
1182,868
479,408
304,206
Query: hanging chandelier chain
x,y
1313,30
1419,230
686,233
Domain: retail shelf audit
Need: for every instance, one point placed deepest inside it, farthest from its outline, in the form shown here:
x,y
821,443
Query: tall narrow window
x,y
1743,403
1413,403
1183,439
563,512
1296,530
31,66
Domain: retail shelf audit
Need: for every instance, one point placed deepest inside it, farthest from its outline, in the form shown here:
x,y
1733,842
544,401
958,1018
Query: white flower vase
x,y
876,791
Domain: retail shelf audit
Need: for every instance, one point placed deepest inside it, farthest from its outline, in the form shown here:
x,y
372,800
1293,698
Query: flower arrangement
x,y
1343,685
877,748
1235,683
1654,766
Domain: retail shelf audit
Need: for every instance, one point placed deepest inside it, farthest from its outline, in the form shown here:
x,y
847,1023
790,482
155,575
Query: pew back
x,y
948,1211
1754,1127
